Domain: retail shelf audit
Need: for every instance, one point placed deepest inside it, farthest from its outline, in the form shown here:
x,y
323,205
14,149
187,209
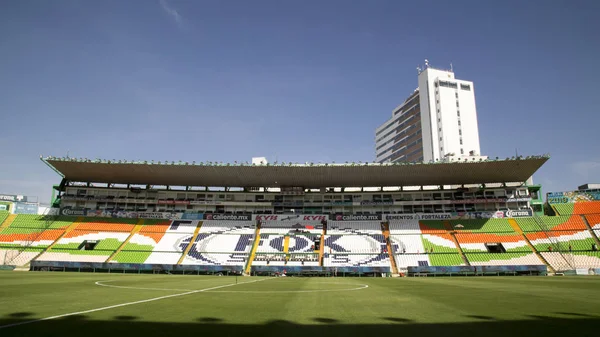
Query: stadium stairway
x,y
513,223
450,230
253,251
385,230
9,220
135,230
589,228
322,246
192,241
286,247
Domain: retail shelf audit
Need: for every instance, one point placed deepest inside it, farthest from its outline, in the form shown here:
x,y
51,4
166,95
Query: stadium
x,y
136,247
431,238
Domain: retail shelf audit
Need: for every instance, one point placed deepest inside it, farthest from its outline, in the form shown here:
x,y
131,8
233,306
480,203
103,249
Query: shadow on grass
x,y
80,325
489,318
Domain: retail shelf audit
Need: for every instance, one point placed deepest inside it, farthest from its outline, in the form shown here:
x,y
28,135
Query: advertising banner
x,y
25,208
3,207
13,198
573,196
290,217
136,266
419,216
229,217
119,214
73,212
319,270
354,217
522,213
192,216
541,269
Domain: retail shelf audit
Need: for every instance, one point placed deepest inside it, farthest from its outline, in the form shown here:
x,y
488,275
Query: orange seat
x,y
587,207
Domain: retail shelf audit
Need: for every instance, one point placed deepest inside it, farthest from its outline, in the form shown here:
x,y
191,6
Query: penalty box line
x,y
126,304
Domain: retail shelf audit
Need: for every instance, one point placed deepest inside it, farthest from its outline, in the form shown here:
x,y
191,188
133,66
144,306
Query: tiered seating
x,y
28,235
434,247
356,260
587,207
475,243
586,259
554,223
303,260
109,234
432,227
482,226
564,209
157,242
18,256
439,243
3,216
594,221
565,240
405,226
353,227
269,260
508,258
221,243
355,243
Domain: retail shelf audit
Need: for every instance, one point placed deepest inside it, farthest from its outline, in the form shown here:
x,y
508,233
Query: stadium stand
x,y
354,244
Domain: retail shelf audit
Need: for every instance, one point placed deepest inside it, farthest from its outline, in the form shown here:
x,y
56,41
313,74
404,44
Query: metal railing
x,y
12,254
556,245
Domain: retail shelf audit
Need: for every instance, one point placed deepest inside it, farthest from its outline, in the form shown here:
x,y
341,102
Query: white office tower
x,y
437,122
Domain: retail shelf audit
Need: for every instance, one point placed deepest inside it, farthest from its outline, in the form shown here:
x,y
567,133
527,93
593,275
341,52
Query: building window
x,y
462,151
437,101
460,132
448,84
456,94
459,123
465,87
440,129
440,139
461,142
457,104
458,113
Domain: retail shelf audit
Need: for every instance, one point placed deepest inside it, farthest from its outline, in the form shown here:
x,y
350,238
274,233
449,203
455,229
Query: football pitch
x,y
80,304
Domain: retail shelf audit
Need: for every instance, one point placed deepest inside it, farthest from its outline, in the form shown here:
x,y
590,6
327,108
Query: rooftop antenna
x,y
426,63
451,67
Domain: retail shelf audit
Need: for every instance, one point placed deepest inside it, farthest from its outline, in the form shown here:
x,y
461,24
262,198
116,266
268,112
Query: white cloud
x,y
172,12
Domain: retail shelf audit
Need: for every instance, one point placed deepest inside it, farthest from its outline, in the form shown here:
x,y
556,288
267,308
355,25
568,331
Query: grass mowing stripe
x,y
125,304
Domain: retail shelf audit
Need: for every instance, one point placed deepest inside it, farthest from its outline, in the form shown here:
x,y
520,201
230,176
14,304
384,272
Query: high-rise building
x,y
437,122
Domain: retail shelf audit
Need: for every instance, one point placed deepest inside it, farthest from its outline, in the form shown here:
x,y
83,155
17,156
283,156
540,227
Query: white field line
x,y
362,286
125,304
102,284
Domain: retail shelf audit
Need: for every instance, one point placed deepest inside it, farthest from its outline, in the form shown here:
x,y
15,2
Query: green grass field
x,y
165,305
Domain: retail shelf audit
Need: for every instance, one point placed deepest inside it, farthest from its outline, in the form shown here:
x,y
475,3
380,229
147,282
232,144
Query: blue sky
x,y
293,80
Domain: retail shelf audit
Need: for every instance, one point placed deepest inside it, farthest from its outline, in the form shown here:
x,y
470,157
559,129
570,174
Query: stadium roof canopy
x,y
295,175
